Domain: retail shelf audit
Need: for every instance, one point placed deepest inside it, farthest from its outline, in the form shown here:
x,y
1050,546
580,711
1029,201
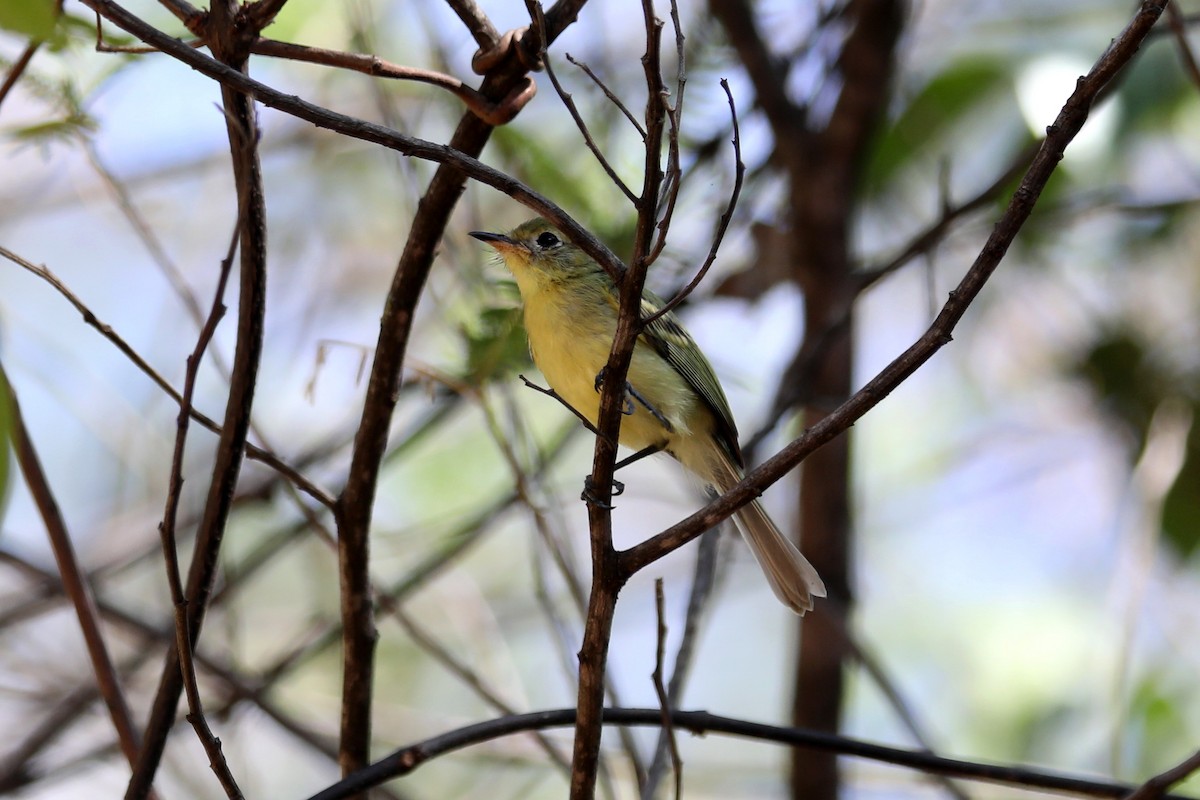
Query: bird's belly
x,y
571,361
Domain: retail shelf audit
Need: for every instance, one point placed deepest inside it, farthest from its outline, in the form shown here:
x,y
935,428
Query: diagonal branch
x,y
1058,135
74,581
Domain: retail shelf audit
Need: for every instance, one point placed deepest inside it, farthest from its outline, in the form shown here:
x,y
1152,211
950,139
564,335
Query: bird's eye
x,y
548,240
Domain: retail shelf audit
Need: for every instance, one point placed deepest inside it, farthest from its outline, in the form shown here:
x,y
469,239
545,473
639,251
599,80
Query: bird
x,y
674,402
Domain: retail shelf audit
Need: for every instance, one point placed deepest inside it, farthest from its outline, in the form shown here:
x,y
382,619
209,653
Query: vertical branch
x,y
353,508
607,575
166,529
230,45
74,580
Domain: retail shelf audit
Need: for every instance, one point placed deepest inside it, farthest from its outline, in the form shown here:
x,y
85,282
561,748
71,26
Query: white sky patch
x,y
1042,89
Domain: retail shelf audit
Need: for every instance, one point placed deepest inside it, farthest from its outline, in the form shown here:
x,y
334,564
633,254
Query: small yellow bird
x,y
675,401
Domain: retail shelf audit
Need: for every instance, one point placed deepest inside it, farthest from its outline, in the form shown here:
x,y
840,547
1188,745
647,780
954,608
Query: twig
x,y
698,601
607,576
664,701
18,68
674,113
183,637
407,759
74,581
1179,30
492,113
722,225
616,101
1157,786
242,131
252,451
539,20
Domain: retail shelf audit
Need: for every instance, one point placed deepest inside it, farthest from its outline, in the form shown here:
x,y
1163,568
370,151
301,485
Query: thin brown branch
x,y
490,112
74,581
18,69
607,577
184,11
660,688
698,602
673,179
739,175
612,97
477,23
1179,31
1157,787
229,45
262,13
289,472
408,759
539,20
183,640
1070,120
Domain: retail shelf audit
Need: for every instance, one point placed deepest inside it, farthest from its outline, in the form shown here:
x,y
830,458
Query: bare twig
x,y
74,581
607,578
660,689
539,20
183,640
722,224
492,113
252,451
18,69
1179,31
1157,787
612,97
242,128
698,601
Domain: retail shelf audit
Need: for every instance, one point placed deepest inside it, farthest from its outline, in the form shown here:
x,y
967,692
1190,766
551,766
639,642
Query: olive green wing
x,y
669,339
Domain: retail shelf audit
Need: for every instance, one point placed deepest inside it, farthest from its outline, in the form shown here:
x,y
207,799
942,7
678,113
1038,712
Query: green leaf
x,y
496,345
36,19
929,116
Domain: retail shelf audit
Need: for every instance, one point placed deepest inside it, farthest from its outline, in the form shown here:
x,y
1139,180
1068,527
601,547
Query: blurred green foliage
x,y
35,19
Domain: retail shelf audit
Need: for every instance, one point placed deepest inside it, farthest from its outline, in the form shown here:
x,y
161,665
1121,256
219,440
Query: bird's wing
x,y
671,341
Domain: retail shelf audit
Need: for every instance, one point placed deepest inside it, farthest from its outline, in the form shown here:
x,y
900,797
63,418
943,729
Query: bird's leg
x,y
551,393
618,487
638,456
632,394
658,415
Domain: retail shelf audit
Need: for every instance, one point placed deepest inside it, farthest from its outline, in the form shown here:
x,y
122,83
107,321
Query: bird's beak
x,y
497,240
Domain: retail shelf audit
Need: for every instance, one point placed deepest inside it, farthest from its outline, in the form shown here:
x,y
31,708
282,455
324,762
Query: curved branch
x,y
406,760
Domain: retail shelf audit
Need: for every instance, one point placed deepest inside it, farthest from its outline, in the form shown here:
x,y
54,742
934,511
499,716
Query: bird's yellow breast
x,y
570,349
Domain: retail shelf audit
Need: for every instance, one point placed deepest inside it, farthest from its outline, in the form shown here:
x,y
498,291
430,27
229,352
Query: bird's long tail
x,y
794,580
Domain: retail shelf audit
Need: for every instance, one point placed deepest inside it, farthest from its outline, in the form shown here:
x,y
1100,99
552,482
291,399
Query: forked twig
x,y
539,20
722,224
660,688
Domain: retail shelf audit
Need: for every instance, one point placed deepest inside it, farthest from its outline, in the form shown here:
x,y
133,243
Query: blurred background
x,y
1024,510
